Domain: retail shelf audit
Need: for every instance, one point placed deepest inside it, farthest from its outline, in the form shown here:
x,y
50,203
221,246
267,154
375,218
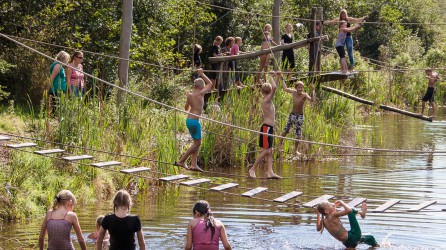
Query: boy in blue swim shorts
x,y
194,105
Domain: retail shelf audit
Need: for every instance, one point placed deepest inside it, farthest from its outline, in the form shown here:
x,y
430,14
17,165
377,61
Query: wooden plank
x,y
77,157
195,182
106,164
49,151
288,196
385,206
134,170
404,112
175,177
254,191
224,186
346,95
356,201
318,200
421,206
5,138
22,145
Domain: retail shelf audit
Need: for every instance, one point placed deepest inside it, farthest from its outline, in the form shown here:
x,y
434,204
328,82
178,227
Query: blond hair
x,y
198,83
321,209
62,198
288,25
63,57
299,83
237,38
218,39
268,25
266,88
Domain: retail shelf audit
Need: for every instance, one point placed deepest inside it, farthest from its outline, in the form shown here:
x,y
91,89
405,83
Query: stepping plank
x,y
106,164
195,182
22,145
134,170
175,177
356,201
387,205
224,186
49,151
254,191
288,196
421,206
316,201
77,157
5,138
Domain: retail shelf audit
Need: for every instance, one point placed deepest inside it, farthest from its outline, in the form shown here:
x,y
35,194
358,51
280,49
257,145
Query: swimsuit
x,y
201,237
298,120
340,43
429,96
354,235
194,127
59,233
266,141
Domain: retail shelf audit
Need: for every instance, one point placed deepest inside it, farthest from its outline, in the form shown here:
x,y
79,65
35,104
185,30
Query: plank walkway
x,y
421,206
106,164
49,151
77,157
224,186
134,170
356,201
288,196
5,138
316,201
254,191
22,145
175,177
195,182
385,206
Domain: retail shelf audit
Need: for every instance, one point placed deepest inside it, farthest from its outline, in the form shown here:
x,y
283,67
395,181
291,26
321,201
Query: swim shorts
x,y
194,127
297,120
341,51
266,141
429,96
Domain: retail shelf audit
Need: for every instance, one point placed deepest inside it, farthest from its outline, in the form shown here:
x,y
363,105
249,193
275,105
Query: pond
x,y
259,223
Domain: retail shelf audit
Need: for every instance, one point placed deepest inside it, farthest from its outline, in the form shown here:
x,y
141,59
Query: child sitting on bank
x,y
296,116
95,235
203,231
328,217
430,92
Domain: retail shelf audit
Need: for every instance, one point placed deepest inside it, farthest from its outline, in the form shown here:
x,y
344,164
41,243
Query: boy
x,y
266,141
429,96
297,115
194,105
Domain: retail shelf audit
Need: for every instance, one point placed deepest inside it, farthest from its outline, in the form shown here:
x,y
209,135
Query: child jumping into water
x,y
203,231
266,141
328,217
121,225
58,223
194,105
430,93
296,117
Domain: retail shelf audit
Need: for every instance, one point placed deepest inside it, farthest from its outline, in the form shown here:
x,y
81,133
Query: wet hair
x,y
266,88
122,199
218,39
63,197
202,207
229,40
321,209
75,54
299,83
99,220
237,38
199,82
63,56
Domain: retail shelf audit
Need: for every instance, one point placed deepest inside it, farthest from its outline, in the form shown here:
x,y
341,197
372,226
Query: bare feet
x,y
195,168
363,210
252,173
181,164
273,176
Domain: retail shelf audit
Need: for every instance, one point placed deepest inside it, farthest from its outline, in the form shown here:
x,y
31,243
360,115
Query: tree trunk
x,y
124,46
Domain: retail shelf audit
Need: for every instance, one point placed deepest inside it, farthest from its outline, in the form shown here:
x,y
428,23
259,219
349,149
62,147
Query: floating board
x,y
106,164
49,151
195,182
288,196
356,201
316,201
134,170
77,157
5,138
224,186
254,191
175,177
387,205
421,206
22,145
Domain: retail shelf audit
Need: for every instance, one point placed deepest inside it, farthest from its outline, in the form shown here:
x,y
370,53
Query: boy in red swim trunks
x,y
266,141
429,96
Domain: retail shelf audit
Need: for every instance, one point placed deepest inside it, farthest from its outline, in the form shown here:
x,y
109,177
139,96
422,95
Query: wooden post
x,y
276,29
124,46
320,14
311,51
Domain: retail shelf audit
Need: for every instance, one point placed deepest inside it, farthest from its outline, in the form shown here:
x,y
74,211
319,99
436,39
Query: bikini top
x,y
266,37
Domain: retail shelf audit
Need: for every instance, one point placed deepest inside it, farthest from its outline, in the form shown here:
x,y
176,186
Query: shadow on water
x,y
258,224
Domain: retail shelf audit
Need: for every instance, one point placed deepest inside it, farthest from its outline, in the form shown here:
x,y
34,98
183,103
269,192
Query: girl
x,y
95,235
215,51
58,222
58,80
340,41
235,51
288,55
267,41
75,77
121,225
328,217
204,231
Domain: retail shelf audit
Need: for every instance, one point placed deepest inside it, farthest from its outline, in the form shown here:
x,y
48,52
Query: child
x,y
340,42
215,51
328,217
197,58
266,141
58,222
194,105
121,225
288,54
267,41
429,96
75,75
235,50
204,231
297,115
227,66
94,236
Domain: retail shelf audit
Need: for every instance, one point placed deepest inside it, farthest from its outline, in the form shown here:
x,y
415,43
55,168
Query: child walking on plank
x,y
328,217
430,92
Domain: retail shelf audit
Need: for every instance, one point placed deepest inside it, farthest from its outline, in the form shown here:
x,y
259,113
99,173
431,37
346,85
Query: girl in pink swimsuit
x,y
75,77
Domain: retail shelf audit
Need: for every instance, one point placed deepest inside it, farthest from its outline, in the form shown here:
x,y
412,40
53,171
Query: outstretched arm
x,y
357,20
351,29
336,20
206,79
286,89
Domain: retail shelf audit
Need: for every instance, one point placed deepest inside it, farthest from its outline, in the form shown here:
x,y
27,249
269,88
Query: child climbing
x,y
328,217
430,92
296,116
204,231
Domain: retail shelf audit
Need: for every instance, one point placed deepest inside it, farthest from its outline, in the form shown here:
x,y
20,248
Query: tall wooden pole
x,y
124,46
312,51
276,28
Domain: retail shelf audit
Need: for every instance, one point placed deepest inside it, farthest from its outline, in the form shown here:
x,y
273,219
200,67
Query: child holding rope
x,y
340,42
296,116
328,217
266,140
267,41
194,105
430,92
203,231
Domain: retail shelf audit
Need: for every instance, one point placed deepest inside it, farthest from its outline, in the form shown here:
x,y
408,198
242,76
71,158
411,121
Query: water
x,y
258,224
